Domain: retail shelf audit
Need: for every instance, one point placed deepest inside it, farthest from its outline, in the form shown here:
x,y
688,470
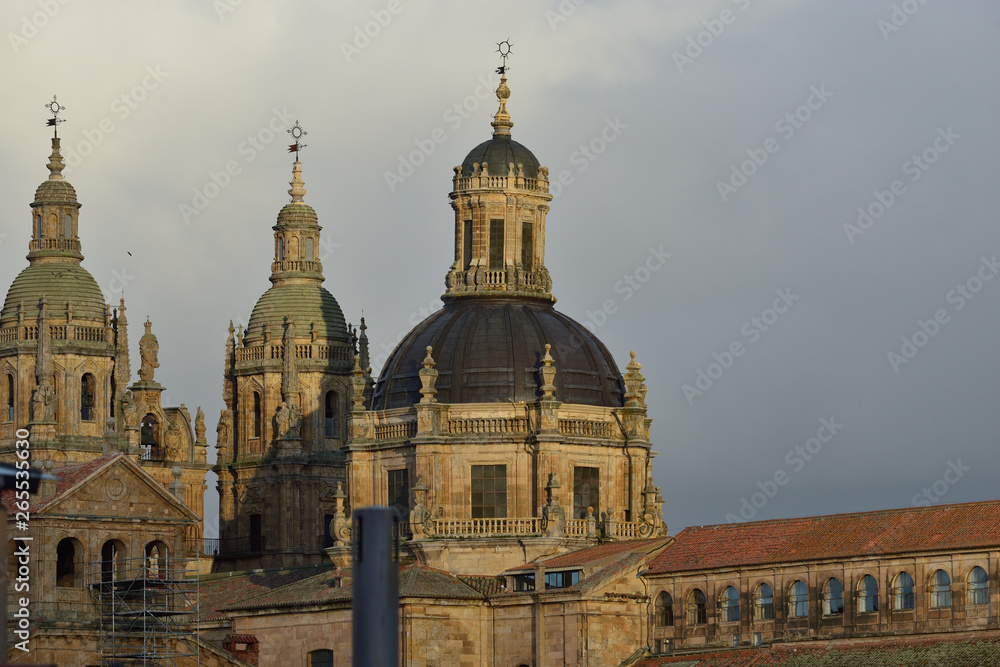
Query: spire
x,y
296,233
55,210
55,164
123,366
298,191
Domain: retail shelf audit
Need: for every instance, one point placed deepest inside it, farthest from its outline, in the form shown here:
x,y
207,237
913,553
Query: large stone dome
x,y
499,152
306,304
59,283
489,350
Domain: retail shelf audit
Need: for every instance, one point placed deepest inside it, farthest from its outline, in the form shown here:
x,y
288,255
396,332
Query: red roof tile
x,y
916,529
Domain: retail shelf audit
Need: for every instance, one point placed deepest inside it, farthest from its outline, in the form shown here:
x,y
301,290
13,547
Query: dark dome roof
x,y
488,350
499,152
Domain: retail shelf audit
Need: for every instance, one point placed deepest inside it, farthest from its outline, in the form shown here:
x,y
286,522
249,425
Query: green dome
x,y
56,192
59,283
306,304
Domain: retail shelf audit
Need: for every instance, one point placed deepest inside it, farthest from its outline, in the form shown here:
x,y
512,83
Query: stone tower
x,y
64,362
287,389
500,427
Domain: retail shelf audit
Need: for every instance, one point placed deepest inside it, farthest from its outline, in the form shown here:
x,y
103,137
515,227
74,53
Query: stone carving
x,y
224,428
428,376
199,427
283,420
130,410
173,442
43,404
548,373
294,422
149,347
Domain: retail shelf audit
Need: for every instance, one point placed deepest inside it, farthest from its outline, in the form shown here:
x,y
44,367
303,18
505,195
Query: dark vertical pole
x,y
375,605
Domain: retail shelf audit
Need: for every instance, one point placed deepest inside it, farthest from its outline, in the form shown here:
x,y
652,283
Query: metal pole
x,y
375,604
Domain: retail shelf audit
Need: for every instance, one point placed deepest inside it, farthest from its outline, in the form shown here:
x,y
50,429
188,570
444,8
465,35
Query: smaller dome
x,y
59,283
306,304
55,192
499,152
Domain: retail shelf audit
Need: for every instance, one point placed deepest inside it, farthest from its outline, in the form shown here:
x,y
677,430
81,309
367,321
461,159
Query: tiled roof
x,y
218,593
321,585
981,649
488,586
917,529
592,555
67,478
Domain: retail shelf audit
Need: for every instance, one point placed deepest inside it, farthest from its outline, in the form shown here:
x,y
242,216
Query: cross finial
x,y
503,48
54,122
297,133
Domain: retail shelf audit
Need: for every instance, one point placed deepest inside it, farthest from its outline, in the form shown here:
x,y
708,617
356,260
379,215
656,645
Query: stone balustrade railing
x,y
488,425
505,182
506,527
54,244
277,351
625,530
58,332
587,428
395,431
296,265
575,528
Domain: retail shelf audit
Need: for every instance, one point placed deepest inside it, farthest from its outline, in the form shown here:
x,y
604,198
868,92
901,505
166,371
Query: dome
x,y
59,283
306,303
56,192
499,152
489,349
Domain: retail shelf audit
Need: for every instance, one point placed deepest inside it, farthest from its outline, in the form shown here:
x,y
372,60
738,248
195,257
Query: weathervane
x,y
297,133
503,48
53,122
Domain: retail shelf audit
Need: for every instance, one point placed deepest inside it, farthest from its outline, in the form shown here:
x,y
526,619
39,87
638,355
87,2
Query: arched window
x,y
940,590
112,560
902,592
69,227
496,245
664,610
730,604
331,408
68,554
281,249
979,586
763,603
798,600
87,388
256,415
149,431
156,559
309,249
696,613
867,595
833,597
38,227
10,397
321,658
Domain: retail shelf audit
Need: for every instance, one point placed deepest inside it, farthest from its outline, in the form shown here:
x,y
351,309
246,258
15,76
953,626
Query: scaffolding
x,y
147,610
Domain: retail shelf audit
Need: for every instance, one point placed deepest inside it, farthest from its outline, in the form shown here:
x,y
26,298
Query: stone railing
x,y
296,265
90,334
495,278
587,428
395,431
302,351
507,527
575,528
506,182
488,425
8,335
624,530
58,332
54,244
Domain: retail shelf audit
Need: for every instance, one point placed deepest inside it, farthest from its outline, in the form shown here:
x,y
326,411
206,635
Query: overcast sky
x,y
741,137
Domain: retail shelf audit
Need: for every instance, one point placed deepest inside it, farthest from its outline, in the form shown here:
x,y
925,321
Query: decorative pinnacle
x,y
428,376
501,121
298,190
54,122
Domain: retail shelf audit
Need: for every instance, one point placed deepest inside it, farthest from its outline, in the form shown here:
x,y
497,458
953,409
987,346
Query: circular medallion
x,y
115,488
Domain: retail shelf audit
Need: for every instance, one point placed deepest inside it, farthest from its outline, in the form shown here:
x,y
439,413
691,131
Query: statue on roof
x,y
149,347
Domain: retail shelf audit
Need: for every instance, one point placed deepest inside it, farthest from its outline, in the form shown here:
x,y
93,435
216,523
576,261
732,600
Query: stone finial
x,y
501,121
548,372
55,164
298,190
199,427
428,376
239,336
635,387
358,386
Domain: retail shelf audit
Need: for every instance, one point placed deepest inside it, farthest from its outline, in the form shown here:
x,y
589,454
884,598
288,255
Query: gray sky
x,y
739,136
